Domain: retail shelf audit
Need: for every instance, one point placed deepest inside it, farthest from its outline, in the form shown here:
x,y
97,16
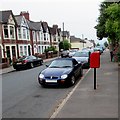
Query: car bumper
x,y
53,82
20,66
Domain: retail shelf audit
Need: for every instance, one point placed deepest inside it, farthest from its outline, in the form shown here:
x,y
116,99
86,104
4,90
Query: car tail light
x,y
25,61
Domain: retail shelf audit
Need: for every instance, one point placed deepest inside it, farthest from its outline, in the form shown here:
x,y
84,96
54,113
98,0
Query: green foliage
x,y
64,45
105,44
113,21
109,21
51,48
98,44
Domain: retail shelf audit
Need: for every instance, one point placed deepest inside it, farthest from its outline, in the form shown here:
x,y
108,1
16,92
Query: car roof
x,y
65,59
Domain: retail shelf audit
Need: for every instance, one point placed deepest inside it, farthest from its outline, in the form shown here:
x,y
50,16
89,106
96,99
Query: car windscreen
x,y
22,58
61,64
81,54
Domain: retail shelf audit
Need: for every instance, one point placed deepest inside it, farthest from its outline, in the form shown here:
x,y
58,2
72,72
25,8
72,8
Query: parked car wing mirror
x,y
47,65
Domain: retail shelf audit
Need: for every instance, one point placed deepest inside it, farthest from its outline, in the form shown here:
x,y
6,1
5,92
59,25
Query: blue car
x,y
62,71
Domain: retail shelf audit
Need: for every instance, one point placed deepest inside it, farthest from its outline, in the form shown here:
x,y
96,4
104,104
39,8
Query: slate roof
x,y
74,39
44,26
5,16
65,33
18,19
34,25
54,29
59,31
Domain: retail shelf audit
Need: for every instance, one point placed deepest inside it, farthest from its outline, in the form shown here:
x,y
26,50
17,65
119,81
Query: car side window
x,y
75,62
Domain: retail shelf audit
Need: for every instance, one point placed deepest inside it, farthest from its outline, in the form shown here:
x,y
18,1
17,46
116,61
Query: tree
x,y
109,22
102,20
64,45
112,25
105,44
98,44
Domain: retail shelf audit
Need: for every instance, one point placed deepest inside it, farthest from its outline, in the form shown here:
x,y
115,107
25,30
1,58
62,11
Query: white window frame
x,y
34,35
24,33
19,33
8,27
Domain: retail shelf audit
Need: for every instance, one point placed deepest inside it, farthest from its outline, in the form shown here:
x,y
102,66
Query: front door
x,y
8,53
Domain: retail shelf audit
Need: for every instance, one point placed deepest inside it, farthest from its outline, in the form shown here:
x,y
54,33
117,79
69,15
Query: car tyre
x,y
72,82
31,65
81,72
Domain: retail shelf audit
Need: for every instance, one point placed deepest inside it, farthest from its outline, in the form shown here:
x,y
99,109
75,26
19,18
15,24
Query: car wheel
x,y
31,65
40,63
81,72
17,69
72,82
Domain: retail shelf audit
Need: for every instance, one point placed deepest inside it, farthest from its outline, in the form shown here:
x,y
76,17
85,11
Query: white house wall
x,y
2,53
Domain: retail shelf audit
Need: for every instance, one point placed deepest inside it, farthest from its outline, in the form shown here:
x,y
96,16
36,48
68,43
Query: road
x,y
23,97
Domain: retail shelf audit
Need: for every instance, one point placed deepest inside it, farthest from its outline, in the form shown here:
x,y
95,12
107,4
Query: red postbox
x,y
95,59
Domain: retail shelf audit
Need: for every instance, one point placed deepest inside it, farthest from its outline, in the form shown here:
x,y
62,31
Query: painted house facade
x,y
8,42
23,36
55,36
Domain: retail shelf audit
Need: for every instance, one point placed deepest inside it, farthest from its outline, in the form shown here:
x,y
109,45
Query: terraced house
x,y
8,44
20,36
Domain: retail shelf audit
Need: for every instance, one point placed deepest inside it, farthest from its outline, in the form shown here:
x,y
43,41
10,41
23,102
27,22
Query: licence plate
x,y
51,81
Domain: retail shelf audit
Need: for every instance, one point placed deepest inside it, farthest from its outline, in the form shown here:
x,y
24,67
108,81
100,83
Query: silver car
x,y
83,57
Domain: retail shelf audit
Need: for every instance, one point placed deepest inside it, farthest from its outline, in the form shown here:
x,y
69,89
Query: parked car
x,y
62,71
83,57
98,49
27,62
72,52
65,53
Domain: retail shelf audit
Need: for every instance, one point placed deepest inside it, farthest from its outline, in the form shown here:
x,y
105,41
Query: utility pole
x,y
63,31
83,40
63,35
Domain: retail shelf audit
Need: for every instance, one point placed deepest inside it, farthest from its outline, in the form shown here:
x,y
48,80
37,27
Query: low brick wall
x,y
4,65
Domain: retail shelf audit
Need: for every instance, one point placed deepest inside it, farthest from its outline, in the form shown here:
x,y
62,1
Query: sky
x,y
79,16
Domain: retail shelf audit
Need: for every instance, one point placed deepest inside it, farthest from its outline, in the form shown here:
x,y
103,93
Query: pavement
x,y
86,102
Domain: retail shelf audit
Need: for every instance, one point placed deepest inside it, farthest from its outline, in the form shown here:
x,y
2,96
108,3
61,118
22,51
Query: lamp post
x,y
83,40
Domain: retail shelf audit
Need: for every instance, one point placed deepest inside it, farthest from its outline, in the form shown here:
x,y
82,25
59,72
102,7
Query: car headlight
x,y
64,76
41,76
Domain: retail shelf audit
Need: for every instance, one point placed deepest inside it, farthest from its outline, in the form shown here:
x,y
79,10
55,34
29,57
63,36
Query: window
x,y
6,31
38,36
47,36
21,51
44,36
28,34
25,50
34,38
19,33
54,38
24,33
12,32
41,36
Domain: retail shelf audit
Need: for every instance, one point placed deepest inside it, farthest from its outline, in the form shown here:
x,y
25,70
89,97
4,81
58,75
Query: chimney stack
x,y
25,14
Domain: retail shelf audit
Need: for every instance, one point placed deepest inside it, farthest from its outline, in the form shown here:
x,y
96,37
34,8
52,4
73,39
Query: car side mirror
x,y
47,65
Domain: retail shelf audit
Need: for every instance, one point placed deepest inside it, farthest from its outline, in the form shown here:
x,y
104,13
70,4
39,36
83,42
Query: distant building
x,y
76,43
66,35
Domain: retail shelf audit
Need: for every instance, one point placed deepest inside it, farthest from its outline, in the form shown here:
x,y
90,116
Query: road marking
x,y
67,98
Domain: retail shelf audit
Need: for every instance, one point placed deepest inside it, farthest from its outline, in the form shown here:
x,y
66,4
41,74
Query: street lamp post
x,y
83,40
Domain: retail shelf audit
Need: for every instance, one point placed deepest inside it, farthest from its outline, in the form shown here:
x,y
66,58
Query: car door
x,y
76,68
